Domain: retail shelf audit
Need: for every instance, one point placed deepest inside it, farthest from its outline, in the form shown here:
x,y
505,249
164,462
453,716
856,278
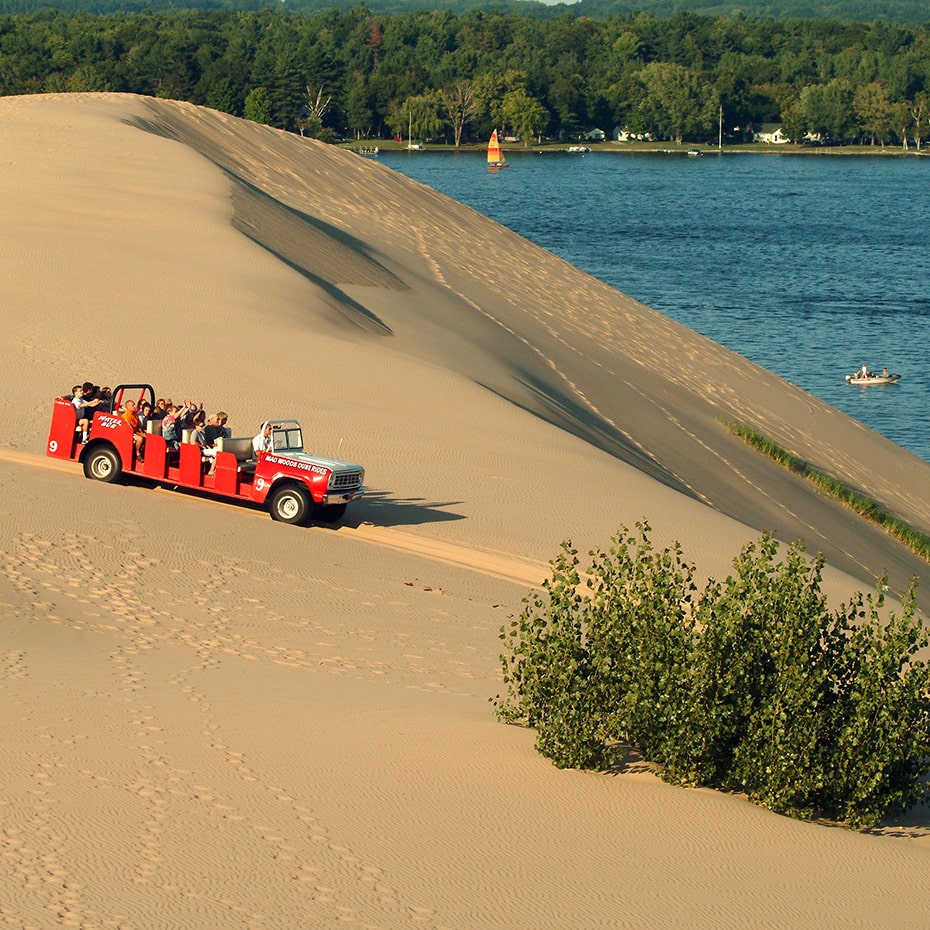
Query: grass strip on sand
x,y
917,542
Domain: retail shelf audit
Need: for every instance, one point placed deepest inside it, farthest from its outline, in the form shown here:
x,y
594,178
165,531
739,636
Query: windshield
x,y
287,437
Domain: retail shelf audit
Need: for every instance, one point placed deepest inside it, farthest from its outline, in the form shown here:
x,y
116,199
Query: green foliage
x,y
544,69
677,102
258,106
526,115
917,542
752,686
898,11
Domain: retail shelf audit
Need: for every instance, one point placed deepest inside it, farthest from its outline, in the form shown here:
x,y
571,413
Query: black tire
x,y
103,464
291,504
331,513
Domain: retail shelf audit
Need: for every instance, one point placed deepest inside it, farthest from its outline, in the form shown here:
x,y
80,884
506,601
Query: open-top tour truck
x,y
296,486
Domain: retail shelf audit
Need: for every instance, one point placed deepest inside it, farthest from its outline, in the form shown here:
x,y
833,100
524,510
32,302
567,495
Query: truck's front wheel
x,y
103,464
291,504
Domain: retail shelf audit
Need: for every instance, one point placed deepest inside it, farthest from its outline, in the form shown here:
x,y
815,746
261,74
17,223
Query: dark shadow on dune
x,y
351,309
564,411
383,509
911,824
376,507
149,484
356,264
323,254
626,760
156,127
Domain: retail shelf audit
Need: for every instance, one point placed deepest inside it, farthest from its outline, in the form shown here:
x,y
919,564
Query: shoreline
x,y
364,148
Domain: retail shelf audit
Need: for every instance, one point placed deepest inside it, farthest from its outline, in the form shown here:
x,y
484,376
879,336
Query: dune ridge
x,y
575,352
211,720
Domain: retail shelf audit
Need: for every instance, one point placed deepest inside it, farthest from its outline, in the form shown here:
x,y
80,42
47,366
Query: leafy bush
x,y
753,686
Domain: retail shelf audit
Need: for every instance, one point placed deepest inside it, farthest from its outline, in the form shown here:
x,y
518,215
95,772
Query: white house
x,y
624,135
770,133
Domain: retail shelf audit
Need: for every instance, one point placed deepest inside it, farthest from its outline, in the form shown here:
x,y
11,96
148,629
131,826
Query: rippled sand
x,y
212,720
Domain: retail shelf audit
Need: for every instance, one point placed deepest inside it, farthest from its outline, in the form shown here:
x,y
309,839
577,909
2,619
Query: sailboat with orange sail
x,y
495,155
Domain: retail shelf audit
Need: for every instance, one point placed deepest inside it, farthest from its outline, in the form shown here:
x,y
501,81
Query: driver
x,y
262,441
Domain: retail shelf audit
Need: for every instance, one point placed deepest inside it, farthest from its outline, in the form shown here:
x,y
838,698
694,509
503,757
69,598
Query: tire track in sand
x,y
504,566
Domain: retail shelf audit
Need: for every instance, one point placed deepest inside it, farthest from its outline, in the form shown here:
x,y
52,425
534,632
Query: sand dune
x,y
211,720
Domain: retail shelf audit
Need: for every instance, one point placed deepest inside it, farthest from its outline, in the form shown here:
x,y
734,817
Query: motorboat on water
x,y
871,377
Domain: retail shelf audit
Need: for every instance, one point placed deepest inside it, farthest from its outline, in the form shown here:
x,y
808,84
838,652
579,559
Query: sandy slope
x,y
211,720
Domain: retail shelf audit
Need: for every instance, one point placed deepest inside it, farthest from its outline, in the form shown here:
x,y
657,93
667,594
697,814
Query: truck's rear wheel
x,y
103,464
291,504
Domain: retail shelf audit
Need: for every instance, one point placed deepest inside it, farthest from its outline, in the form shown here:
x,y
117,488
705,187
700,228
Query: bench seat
x,y
241,448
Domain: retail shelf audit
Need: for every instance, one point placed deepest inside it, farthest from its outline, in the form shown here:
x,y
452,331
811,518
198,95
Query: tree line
x,y
864,11
451,77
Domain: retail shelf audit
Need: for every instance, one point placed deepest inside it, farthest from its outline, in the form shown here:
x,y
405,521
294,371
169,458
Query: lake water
x,y
808,266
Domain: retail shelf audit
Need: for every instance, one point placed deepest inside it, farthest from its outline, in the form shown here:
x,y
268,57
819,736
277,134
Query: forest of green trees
x,y
848,11
452,77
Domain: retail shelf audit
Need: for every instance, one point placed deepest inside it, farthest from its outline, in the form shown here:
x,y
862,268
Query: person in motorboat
x,y
863,372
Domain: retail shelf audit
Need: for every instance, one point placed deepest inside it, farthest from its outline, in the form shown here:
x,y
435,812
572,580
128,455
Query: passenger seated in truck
x,y
189,412
85,401
144,413
76,395
77,401
138,436
216,428
169,430
102,397
199,436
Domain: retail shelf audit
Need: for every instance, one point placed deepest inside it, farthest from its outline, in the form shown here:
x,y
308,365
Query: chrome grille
x,y
346,479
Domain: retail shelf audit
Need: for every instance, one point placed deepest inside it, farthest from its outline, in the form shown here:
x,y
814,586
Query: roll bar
x,y
116,398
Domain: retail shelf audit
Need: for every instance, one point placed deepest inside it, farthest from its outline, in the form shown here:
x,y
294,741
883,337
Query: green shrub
x,y
917,542
753,686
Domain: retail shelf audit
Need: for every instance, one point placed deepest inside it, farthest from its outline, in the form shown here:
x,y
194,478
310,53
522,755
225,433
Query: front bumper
x,y
342,496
